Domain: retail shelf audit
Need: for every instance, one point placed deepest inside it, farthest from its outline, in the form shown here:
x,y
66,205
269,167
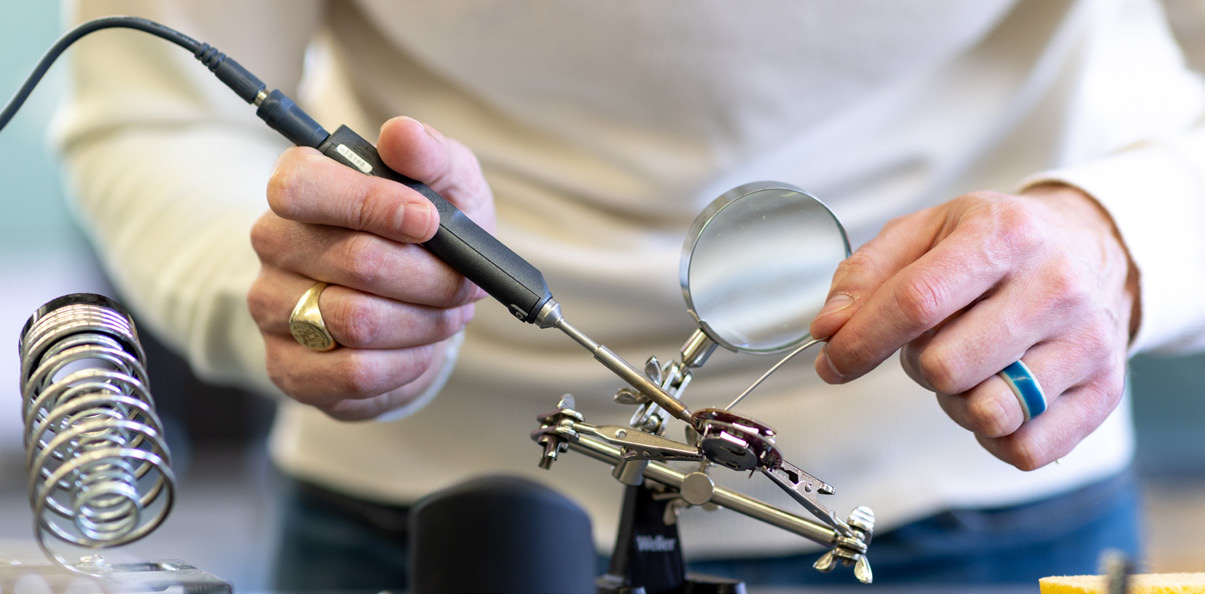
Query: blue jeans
x,y
1061,535
330,542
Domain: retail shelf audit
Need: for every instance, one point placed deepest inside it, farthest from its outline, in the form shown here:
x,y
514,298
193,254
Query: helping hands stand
x,y
648,553
747,297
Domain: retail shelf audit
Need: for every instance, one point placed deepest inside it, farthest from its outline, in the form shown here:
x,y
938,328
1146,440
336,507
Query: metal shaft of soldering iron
x,y
550,317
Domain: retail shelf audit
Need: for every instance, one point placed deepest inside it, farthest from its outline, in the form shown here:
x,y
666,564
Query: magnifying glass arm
x,y
769,372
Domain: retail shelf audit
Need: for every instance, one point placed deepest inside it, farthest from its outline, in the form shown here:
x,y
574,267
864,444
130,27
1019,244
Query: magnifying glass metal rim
x,y
705,219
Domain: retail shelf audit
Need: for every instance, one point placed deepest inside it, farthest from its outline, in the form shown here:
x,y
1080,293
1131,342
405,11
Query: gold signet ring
x,y
306,324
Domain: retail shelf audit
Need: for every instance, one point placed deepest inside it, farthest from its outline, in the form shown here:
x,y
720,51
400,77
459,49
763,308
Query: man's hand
x,y
391,305
970,286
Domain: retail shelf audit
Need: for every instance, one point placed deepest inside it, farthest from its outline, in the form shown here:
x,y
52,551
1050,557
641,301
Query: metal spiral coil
x,y
97,463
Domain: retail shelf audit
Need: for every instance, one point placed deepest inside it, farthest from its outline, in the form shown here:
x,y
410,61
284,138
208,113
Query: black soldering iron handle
x,y
459,241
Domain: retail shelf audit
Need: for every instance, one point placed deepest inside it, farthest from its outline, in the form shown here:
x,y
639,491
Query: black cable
x,y
460,242
52,54
276,109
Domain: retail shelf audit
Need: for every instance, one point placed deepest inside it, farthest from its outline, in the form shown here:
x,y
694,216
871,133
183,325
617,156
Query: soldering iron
x,y
460,242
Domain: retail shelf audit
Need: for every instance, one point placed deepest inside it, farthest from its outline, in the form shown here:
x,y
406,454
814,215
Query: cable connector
x,y
284,116
239,79
275,108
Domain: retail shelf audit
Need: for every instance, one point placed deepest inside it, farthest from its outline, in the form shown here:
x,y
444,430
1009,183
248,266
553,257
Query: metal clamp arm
x,y
803,487
565,425
737,502
638,445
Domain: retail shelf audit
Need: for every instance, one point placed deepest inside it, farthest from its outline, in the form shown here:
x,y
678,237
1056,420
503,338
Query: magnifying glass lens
x,y
757,265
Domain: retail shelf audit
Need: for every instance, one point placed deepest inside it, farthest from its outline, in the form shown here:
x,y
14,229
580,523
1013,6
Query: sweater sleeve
x,y
1155,193
167,168
1154,188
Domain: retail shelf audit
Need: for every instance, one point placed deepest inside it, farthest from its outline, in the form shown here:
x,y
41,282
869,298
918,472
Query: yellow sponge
x,y
1142,583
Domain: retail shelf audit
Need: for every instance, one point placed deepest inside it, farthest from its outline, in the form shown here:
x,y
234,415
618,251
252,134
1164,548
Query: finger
x,y
1054,434
916,354
421,152
372,407
974,344
368,408
992,409
953,271
1079,391
353,318
308,187
860,275
325,379
361,261
1083,353
1032,304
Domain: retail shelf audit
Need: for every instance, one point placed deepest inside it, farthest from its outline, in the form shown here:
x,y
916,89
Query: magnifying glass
x,y
757,265
755,271
756,268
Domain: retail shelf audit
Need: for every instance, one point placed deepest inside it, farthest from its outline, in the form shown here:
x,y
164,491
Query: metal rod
x,y
742,504
626,371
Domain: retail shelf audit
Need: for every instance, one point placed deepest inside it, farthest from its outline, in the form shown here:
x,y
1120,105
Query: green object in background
x,y
35,213
1169,412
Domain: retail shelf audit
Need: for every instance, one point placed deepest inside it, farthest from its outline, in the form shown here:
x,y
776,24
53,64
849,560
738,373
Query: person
x,y
1021,179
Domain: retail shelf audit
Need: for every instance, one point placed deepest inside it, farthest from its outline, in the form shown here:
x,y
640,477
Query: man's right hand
x,y
391,305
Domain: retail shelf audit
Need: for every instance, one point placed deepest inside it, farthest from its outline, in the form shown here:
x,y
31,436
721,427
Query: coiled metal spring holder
x,y
97,464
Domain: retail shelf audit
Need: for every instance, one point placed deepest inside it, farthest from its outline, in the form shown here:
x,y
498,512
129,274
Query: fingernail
x,y
416,220
432,132
404,119
835,304
390,122
466,314
837,375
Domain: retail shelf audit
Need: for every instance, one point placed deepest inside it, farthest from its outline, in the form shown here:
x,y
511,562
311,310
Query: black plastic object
x,y
465,246
240,80
648,553
282,114
500,534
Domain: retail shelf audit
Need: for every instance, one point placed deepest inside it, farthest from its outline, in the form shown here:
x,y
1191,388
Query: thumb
x,y
860,275
837,310
421,152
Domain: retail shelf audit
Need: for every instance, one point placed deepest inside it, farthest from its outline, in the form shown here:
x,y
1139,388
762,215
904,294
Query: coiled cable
x,y
96,460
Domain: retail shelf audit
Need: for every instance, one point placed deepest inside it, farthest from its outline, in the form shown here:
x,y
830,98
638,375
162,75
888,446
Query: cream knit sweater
x,y
603,128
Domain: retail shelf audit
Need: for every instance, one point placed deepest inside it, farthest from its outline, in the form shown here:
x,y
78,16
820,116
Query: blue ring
x,y
1026,387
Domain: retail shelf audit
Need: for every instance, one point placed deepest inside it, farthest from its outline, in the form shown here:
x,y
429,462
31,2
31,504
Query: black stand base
x,y
648,553
693,584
